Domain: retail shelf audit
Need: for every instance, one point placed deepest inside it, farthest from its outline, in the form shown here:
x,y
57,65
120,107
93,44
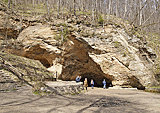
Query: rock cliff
x,y
71,48
114,57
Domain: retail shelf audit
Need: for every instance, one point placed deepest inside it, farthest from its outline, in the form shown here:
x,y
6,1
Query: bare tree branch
x,y
138,12
151,15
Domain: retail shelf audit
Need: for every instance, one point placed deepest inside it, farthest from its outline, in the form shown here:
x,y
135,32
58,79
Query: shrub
x,y
100,19
117,44
124,54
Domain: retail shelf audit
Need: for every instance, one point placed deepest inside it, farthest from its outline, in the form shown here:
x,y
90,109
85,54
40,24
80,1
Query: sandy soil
x,y
96,100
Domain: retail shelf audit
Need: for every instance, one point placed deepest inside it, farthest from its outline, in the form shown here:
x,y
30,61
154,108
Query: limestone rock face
x,y
110,55
123,59
77,62
96,52
39,44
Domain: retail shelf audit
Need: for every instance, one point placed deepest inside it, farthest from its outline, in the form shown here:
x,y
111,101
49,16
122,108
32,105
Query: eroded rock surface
x,y
77,62
39,44
96,53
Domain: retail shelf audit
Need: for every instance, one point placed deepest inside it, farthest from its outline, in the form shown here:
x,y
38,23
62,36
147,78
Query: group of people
x,y
78,78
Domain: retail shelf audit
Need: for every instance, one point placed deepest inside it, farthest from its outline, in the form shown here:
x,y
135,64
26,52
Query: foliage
x,y
13,89
6,1
124,54
100,19
65,33
116,44
152,91
37,92
57,37
61,24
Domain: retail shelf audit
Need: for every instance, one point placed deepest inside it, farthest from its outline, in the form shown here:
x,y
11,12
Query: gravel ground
x,y
95,100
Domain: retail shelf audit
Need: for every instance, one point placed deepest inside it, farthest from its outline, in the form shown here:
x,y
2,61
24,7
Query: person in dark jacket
x,y
104,84
92,83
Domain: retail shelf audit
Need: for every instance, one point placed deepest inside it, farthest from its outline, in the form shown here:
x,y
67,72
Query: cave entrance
x,y
98,79
45,63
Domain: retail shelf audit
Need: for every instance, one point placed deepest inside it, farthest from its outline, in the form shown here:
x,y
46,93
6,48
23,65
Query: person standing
x,y
78,78
104,84
85,83
92,83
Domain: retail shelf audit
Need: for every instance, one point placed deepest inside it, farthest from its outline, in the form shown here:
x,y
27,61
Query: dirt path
x,y
96,100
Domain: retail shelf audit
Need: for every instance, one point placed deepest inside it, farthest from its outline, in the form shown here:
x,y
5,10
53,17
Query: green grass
x,y
13,89
124,54
76,93
155,87
37,92
152,91
116,44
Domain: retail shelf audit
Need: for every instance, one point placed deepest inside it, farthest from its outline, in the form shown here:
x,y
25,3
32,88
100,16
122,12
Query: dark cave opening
x,y
97,80
45,63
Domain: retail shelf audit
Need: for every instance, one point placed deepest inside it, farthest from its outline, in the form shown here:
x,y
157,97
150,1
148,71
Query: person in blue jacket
x,y
92,83
104,84
78,78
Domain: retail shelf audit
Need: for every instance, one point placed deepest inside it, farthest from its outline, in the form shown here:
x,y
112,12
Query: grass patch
x,y
152,91
76,93
13,89
37,92
154,87
116,44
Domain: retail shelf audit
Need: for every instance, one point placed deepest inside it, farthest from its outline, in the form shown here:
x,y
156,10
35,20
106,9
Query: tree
x,y
47,7
125,9
9,3
58,7
117,7
74,7
93,10
140,13
33,2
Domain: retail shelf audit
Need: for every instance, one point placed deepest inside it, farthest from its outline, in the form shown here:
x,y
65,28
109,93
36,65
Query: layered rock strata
x,y
109,54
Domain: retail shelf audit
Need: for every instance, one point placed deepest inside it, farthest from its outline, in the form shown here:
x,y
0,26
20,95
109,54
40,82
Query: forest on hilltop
x,y
141,13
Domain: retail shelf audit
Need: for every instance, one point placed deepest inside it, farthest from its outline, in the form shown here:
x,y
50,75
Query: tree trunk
x,y
15,2
125,9
100,7
33,2
93,10
109,7
47,7
151,15
9,3
58,7
25,2
117,2
74,7
140,13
